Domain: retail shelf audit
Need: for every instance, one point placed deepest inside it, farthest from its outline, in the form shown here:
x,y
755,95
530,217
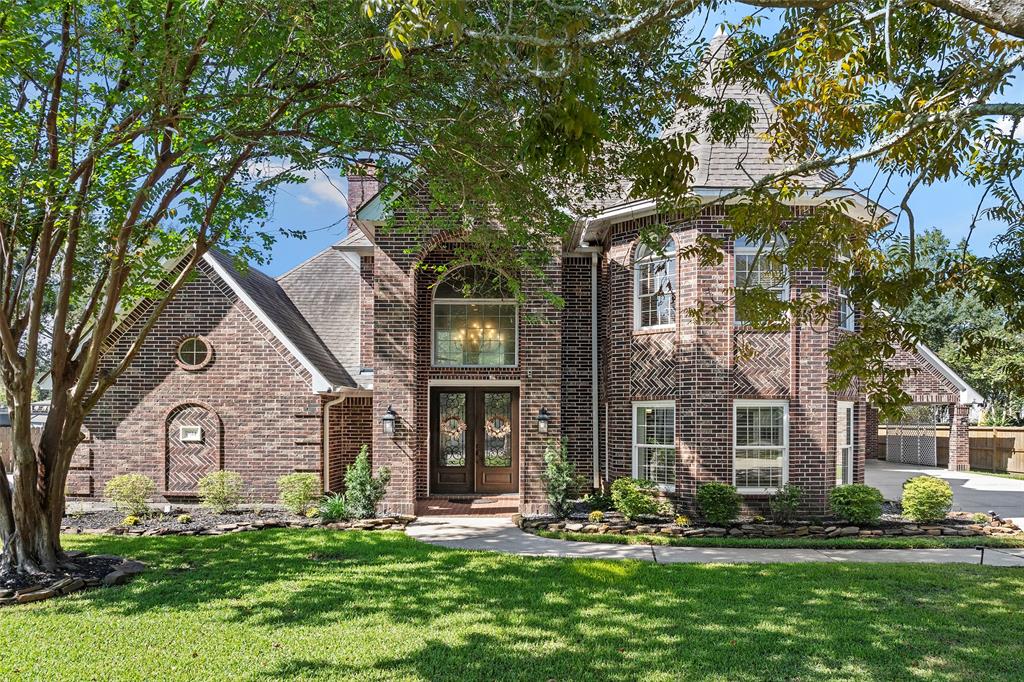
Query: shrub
x,y
130,520
312,513
184,518
856,502
784,503
299,491
363,492
926,498
683,520
759,519
129,492
718,502
559,477
981,518
635,497
221,491
596,516
598,500
332,508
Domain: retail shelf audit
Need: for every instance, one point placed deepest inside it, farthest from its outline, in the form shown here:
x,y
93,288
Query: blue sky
x,y
318,206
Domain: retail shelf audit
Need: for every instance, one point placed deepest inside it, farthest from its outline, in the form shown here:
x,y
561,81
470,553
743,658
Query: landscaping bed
x,y
205,522
955,525
81,573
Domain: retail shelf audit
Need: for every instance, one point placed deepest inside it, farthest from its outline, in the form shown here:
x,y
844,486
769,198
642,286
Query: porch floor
x,y
468,505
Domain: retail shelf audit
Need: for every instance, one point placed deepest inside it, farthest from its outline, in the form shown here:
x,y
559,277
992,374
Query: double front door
x,y
474,440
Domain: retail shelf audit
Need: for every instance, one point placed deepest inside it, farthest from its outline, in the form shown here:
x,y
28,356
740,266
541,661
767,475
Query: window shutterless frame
x,y
756,253
847,314
738,405
845,441
656,404
454,302
646,258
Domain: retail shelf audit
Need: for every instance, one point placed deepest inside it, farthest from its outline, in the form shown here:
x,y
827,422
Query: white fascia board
x,y
968,396
320,383
645,207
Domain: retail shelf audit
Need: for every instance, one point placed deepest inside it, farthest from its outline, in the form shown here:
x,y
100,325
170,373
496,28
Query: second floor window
x,y
654,288
475,322
846,315
757,267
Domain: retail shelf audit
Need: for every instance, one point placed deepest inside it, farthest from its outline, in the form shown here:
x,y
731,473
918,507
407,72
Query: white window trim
x,y
468,302
190,429
849,324
784,404
852,426
653,258
756,251
675,443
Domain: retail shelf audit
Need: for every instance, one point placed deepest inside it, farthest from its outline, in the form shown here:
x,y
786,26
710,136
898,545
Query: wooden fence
x,y
993,448
6,451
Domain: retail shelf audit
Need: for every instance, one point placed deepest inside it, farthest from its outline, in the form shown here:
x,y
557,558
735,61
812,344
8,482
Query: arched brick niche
x,y
192,446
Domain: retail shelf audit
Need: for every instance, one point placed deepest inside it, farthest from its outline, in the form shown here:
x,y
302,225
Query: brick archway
x,y
193,439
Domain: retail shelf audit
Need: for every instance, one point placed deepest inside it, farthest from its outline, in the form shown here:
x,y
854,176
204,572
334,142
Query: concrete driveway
x,y
972,492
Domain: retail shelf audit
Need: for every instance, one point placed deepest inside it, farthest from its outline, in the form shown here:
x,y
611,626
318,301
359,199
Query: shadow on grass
x,y
466,615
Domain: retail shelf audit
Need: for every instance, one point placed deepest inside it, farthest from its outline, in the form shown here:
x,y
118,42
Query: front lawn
x,y
319,604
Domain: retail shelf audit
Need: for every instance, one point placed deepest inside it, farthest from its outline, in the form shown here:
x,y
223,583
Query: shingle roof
x,y
325,290
272,300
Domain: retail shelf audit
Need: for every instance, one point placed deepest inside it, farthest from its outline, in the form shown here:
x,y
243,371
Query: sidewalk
x,y
499,534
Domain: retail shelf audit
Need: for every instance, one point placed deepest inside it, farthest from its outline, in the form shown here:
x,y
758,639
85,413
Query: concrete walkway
x,y
499,534
972,491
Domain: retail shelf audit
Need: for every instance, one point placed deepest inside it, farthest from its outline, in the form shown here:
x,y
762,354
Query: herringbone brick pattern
x,y
187,462
653,366
762,364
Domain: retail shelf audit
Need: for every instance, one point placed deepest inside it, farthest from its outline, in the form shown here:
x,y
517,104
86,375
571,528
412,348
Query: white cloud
x,y
1004,124
320,187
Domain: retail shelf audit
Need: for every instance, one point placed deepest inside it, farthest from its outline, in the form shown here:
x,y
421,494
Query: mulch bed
x,y
205,522
88,571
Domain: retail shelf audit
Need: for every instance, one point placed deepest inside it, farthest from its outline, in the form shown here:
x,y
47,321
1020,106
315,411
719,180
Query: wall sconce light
x,y
542,420
388,422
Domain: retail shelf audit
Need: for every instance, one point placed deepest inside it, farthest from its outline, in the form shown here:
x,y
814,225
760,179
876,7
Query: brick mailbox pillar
x,y
959,438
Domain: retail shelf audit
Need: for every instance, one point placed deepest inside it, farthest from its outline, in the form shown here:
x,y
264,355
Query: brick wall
x,y
269,417
349,427
577,380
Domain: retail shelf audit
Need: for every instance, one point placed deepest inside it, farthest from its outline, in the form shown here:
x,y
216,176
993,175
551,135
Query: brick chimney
x,y
362,185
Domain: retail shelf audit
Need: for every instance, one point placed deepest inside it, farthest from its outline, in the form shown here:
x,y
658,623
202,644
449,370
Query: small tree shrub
x,y
298,491
129,492
979,517
184,518
856,502
635,497
926,498
221,491
596,516
718,502
599,501
332,508
784,503
363,491
559,477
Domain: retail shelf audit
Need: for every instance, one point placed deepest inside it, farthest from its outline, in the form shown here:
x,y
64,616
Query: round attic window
x,y
194,353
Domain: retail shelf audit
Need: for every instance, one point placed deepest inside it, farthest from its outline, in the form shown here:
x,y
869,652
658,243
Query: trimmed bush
x,y
635,497
131,520
596,516
926,498
332,508
857,503
221,491
129,492
784,503
559,477
598,500
718,502
184,518
363,491
299,492
683,520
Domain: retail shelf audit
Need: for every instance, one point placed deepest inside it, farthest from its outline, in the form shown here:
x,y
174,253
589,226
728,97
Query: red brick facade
x,y
253,401
349,427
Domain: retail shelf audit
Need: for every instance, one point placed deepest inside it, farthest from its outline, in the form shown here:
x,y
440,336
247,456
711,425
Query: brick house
x,y
265,377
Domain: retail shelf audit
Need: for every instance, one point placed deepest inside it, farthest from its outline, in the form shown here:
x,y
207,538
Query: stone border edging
x,y
397,522
119,574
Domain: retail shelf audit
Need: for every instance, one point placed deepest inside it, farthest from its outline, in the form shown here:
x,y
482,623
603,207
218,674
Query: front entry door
x,y
474,440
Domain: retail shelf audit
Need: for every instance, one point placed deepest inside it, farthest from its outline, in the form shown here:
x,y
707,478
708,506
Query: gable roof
x,y
968,396
326,291
269,302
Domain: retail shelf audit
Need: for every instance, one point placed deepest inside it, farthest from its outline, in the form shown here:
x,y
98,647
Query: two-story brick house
x,y
457,387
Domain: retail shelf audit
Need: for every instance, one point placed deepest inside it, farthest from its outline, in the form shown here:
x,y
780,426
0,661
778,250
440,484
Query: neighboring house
x,y
266,377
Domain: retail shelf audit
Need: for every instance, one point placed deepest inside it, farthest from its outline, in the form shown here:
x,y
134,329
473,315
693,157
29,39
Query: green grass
x,y
333,605
1016,477
913,542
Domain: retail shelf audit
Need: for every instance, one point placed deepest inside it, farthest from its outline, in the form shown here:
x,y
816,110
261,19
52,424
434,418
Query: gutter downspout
x,y
594,369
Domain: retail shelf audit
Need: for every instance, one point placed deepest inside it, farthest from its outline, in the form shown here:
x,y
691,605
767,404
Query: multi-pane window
x,y
193,352
844,443
757,266
475,324
655,286
760,444
654,442
846,315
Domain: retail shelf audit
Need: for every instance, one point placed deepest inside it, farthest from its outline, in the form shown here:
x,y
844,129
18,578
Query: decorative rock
x,y
849,530
574,527
38,595
130,567
115,578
